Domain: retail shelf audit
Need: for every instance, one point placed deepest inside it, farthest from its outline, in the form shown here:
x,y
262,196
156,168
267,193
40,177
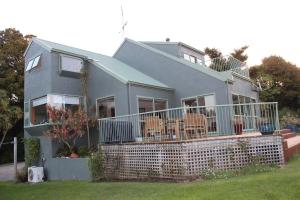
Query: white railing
x,y
228,63
186,123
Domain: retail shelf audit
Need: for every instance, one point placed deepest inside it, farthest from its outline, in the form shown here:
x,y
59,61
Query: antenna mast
x,y
124,23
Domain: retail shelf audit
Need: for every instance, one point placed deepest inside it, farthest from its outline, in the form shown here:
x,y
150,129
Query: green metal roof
x,y
197,67
112,66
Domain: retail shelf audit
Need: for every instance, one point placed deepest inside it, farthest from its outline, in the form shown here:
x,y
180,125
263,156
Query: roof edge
x,y
151,86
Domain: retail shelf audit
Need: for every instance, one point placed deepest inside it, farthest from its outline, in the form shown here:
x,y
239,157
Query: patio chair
x,y
154,126
195,125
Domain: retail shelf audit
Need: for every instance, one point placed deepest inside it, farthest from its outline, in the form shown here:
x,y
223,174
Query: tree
x,y
67,126
240,54
9,115
280,81
12,47
219,62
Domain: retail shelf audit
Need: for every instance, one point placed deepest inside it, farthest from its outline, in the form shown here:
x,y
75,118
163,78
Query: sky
x,y
269,27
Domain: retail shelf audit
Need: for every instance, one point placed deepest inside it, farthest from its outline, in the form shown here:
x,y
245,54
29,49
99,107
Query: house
x,y
161,79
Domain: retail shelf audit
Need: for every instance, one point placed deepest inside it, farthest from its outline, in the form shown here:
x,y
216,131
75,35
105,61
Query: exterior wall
x,y
100,84
63,84
186,81
170,48
37,82
242,87
140,91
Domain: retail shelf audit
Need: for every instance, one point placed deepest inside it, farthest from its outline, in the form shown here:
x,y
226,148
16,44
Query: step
x,y
291,146
283,131
288,135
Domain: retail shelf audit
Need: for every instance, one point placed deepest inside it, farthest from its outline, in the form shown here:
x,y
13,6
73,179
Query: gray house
x,y
141,77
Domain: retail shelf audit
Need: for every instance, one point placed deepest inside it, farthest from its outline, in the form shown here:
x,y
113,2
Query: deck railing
x,y
228,63
186,123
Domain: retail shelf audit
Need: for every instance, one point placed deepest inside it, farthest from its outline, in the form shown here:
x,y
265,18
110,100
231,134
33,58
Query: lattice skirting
x,y
189,159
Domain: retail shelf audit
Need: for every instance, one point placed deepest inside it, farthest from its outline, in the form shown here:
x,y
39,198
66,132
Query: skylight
x,y
33,63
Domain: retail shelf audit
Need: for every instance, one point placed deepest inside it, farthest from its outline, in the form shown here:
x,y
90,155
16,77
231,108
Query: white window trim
x,y
153,101
104,98
30,105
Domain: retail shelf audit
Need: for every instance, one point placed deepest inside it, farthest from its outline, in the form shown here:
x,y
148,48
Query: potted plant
x,y
238,125
67,127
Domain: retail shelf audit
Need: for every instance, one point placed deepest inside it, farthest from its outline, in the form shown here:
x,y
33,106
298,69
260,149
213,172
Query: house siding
x,y
186,81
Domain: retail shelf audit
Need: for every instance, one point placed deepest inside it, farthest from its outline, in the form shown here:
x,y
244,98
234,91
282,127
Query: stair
x,y
291,144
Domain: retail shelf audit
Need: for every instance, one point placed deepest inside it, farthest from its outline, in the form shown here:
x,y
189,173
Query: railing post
x,y
277,117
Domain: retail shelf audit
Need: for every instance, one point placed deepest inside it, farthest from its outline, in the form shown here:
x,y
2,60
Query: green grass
x,y
278,184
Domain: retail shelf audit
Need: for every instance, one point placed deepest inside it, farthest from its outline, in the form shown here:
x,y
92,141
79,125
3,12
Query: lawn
x,y
279,184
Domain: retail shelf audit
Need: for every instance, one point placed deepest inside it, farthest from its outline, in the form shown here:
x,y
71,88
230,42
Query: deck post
x,y
277,117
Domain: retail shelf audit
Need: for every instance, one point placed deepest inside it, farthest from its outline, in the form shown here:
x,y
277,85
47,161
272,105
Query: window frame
x,y
153,102
32,61
72,57
104,98
82,102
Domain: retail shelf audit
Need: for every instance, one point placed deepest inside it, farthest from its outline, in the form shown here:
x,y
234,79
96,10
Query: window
x,y
192,59
151,104
205,105
38,109
70,64
33,63
106,107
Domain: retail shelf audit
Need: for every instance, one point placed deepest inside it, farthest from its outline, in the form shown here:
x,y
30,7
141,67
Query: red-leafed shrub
x,y
67,126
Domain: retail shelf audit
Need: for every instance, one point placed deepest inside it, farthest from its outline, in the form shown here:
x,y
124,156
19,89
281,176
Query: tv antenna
x,y
124,23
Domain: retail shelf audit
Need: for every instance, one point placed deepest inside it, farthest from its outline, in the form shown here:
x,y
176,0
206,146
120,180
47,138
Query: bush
x,y
96,165
63,151
83,151
32,150
22,175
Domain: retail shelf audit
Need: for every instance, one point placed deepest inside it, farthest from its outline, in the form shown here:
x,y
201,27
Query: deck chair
x,y
195,125
153,126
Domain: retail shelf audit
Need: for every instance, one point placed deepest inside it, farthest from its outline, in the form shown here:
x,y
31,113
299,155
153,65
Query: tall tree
x,y
280,81
12,47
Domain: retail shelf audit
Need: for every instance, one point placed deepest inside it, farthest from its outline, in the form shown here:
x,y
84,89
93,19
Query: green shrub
x,y
96,165
22,175
63,151
32,150
83,151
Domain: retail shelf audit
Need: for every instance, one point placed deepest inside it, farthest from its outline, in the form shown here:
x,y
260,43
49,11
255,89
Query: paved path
x,y
7,171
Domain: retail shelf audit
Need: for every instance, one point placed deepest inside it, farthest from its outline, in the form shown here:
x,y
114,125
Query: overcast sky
x,y
267,26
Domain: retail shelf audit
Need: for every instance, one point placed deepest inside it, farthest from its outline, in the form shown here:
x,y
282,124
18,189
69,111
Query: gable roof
x,y
110,65
226,77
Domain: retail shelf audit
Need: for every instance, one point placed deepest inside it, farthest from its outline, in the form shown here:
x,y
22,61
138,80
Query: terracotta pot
x,y
238,129
74,155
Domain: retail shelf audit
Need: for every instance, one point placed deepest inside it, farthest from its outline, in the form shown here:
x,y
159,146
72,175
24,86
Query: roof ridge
x,y
45,43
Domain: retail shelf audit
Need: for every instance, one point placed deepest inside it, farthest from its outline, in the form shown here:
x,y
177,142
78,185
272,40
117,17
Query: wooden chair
x,y
173,128
195,125
153,126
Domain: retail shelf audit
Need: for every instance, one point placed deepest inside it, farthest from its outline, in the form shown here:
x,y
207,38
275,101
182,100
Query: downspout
x,y
128,97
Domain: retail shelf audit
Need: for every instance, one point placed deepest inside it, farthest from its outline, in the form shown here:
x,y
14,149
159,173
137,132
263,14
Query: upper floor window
x,y
33,63
70,63
192,59
106,107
